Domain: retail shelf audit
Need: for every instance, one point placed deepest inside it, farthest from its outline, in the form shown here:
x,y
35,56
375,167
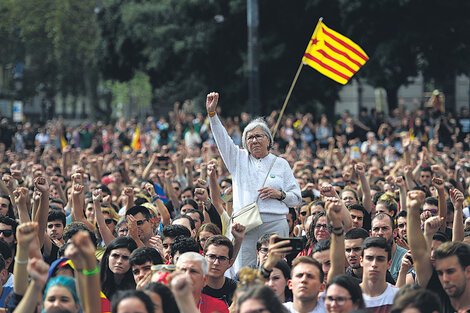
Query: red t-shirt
x,y
211,305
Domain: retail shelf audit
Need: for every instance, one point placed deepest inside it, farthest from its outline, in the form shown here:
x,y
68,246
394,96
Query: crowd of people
x,y
196,212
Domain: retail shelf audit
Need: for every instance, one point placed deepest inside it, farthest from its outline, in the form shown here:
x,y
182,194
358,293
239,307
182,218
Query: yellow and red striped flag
x,y
136,141
333,54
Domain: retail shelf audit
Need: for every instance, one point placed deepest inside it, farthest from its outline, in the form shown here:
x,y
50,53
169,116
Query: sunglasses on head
x,y
6,232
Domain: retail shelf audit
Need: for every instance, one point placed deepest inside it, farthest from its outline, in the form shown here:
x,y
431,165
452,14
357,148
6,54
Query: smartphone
x,y
297,243
410,258
227,197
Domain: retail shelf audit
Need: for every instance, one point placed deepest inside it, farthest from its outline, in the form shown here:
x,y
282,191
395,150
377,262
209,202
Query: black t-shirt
x,y
225,293
435,285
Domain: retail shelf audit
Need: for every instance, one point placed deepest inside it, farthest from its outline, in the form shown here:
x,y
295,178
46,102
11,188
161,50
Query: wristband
x,y
212,114
95,271
20,262
155,198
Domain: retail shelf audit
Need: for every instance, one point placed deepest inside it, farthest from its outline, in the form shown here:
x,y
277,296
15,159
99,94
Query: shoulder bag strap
x,y
264,182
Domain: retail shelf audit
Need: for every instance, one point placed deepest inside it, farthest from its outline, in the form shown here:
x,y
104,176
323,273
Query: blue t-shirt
x,y
6,291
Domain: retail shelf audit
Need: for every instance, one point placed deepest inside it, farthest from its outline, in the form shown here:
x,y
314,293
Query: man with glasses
x,y
8,231
142,216
195,268
218,252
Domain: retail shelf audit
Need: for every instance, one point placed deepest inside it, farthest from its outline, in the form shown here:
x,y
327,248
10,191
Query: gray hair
x,y
193,256
261,124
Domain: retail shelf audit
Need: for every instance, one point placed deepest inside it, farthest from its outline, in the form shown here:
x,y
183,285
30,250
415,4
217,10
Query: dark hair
x,y
142,296
263,239
173,231
74,227
311,230
2,263
431,201
450,205
219,240
414,296
402,214
322,245
356,233
440,236
5,250
357,207
458,248
184,244
352,286
285,269
426,169
9,221
56,215
191,202
377,242
201,215
138,209
190,189
189,218
108,284
168,299
265,295
10,212
142,255
308,260
293,213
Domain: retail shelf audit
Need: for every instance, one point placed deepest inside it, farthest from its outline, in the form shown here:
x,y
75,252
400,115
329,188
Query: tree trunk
x,y
392,98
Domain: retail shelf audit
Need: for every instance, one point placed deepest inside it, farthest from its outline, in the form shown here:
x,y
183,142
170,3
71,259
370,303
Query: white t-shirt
x,y
319,308
382,303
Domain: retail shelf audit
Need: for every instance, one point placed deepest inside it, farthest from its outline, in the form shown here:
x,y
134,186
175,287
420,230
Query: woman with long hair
x,y
343,294
260,299
116,272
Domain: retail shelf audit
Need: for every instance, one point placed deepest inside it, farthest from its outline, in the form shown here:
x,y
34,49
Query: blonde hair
x,y
388,199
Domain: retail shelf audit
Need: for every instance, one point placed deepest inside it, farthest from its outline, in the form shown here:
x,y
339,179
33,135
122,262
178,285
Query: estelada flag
x,y
333,54
63,142
136,144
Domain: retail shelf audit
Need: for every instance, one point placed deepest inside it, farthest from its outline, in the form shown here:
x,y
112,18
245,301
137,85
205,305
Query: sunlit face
x,y
186,195
193,269
6,234
401,226
218,267
119,261
197,219
338,300
185,208
257,143
167,243
452,275
383,228
203,236
263,252
60,297
90,213
348,197
277,282
375,264
305,282
55,229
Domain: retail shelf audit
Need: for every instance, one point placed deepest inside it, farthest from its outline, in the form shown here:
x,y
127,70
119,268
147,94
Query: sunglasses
x,y
303,213
108,221
432,211
164,267
6,232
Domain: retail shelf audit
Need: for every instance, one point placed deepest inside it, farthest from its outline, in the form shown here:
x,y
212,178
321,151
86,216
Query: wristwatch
x,y
283,195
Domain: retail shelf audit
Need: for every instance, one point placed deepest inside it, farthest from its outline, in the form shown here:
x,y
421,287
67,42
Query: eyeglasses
x,y
108,221
320,226
141,222
303,213
339,300
164,267
432,211
258,137
263,250
6,232
222,259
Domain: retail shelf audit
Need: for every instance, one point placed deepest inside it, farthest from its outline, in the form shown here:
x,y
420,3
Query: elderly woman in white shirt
x,y
249,167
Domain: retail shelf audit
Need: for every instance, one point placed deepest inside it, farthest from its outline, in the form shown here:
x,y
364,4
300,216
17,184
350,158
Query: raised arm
x,y
441,196
78,205
165,215
214,187
360,169
38,270
400,182
458,229
25,234
40,183
105,232
334,213
416,241
21,195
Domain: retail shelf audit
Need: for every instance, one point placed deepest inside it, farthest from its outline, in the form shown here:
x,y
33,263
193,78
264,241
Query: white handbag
x,y
249,216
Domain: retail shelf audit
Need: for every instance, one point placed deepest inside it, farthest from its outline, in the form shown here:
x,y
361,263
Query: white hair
x,y
261,124
193,256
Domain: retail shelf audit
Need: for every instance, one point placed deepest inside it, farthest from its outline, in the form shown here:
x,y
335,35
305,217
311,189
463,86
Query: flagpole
x,y
294,82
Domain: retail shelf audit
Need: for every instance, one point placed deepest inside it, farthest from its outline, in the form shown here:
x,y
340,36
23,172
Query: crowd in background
x,y
136,216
